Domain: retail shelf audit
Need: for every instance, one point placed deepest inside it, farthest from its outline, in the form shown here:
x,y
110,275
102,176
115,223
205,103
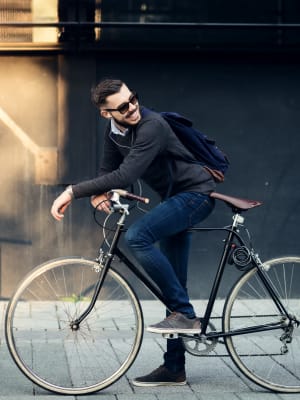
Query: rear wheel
x,y
54,355
270,358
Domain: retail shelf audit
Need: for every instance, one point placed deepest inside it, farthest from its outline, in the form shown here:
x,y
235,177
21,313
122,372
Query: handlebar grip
x,y
131,196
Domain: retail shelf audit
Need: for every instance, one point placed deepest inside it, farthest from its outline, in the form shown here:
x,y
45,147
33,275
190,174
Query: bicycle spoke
x,y
270,358
62,359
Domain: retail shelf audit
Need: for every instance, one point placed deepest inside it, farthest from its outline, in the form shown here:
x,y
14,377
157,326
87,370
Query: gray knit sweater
x,y
150,151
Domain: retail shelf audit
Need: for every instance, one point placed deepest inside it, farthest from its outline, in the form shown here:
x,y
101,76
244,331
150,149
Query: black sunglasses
x,y
124,107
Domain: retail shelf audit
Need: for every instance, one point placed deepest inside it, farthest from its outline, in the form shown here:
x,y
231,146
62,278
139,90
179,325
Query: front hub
x,y
74,326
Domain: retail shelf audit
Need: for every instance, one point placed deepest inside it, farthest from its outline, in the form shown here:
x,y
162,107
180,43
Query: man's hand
x,y
60,205
101,203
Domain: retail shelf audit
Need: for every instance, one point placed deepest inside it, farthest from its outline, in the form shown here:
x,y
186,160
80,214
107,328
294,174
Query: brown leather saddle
x,y
236,203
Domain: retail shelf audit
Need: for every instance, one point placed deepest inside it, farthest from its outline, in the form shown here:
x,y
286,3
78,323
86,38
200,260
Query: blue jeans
x,y
167,266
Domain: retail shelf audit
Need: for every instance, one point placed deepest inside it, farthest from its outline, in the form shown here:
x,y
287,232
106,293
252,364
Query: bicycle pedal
x,y
170,335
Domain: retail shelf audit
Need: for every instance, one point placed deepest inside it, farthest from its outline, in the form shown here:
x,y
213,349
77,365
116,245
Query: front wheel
x,y
43,342
270,358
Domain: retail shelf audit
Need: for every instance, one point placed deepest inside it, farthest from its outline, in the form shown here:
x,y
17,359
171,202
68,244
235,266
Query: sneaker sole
x,y
155,384
170,331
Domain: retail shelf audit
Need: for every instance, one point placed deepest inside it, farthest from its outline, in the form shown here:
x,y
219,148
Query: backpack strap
x,y
144,113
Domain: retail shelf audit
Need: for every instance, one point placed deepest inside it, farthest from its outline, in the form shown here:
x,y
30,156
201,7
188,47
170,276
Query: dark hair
x,y
105,88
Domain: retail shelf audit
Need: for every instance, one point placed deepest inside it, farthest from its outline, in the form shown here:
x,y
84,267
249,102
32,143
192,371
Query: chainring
x,y
200,345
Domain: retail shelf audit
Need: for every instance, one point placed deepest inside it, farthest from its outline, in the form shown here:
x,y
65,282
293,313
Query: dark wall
x,y
249,104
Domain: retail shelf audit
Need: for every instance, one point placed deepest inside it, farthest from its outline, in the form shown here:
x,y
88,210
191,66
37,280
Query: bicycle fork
x,y
104,261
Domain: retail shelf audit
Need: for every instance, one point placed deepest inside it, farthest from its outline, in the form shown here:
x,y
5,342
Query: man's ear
x,y
105,114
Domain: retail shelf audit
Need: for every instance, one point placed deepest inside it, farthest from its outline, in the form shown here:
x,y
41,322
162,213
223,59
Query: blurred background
x,y
231,66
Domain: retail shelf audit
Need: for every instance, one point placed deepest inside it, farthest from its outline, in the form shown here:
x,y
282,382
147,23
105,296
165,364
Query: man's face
x,y
117,103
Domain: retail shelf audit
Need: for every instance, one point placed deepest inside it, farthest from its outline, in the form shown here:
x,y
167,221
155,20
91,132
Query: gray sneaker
x,y
176,323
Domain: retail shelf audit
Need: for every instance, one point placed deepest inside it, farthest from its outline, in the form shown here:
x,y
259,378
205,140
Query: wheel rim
x,y
268,358
61,359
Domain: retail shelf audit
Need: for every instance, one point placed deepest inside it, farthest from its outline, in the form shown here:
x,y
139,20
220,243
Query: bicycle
x,y
87,314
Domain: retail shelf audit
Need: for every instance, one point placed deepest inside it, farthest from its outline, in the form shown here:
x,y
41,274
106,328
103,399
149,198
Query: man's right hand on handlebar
x,y
101,203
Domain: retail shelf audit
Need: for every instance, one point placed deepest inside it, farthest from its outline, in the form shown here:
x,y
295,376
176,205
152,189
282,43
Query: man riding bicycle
x,y
138,146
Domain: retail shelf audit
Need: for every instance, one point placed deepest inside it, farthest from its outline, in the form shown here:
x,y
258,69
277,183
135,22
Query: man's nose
x,y
132,107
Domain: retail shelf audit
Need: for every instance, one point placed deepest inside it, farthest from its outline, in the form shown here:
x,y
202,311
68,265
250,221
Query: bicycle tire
x,y
48,351
267,358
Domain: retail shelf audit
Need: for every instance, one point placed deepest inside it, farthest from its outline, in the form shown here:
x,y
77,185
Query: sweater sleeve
x,y
151,140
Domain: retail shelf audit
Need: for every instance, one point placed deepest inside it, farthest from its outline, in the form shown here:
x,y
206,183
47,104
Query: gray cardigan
x,y
150,151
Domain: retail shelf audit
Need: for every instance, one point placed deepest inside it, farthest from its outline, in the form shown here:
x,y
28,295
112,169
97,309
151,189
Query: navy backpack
x,y
203,149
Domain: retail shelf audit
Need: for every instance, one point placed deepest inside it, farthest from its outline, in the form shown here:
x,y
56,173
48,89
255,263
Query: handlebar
x,y
116,206
128,195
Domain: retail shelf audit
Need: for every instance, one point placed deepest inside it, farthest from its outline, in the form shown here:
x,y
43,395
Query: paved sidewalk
x,y
209,377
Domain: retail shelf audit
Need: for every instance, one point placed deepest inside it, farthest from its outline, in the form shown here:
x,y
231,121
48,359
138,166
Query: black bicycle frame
x,y
232,234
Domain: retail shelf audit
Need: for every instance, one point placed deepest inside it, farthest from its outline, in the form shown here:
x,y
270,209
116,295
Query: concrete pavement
x,y
209,377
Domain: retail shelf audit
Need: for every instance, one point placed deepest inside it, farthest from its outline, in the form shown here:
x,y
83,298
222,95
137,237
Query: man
x,y
137,145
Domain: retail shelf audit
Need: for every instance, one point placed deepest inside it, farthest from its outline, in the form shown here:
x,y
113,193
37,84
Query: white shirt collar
x,y
115,129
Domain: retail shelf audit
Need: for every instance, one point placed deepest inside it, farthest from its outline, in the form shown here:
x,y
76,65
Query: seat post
x,y
237,219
